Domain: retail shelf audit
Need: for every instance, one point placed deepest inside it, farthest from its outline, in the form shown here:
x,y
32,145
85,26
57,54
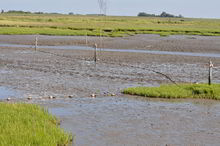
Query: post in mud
x,y
86,39
210,72
36,41
95,52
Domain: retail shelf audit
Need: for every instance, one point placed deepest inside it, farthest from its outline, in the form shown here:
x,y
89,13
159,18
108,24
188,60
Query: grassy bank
x,y
26,124
113,26
182,91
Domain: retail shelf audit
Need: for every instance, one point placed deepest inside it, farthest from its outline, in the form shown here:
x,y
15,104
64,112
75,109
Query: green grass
x,y
181,91
113,26
27,124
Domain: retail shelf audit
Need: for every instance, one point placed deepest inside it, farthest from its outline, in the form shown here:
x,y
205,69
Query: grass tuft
x,y
204,91
27,124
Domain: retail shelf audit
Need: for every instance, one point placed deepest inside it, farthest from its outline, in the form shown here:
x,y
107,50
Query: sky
x,y
187,8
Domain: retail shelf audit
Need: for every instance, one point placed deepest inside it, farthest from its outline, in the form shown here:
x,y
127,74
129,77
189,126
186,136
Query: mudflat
x,y
178,43
118,120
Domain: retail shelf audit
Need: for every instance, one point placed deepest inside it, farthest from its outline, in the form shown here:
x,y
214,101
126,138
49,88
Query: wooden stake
x,y
95,52
210,72
36,40
86,39
100,37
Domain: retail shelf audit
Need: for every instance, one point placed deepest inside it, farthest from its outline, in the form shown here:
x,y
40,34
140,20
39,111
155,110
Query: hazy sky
x,y
188,8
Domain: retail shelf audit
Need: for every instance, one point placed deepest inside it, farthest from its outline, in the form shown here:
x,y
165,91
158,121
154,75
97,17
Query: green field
x,y
113,26
204,91
27,124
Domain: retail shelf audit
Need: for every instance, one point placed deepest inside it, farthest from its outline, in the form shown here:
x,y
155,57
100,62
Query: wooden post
x,y
100,37
95,52
36,40
210,72
86,39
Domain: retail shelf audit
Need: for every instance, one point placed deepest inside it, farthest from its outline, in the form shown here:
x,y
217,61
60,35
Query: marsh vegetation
x,y
114,26
204,91
27,124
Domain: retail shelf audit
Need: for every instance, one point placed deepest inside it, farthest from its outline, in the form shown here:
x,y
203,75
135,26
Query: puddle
x,y
6,92
138,121
5,71
118,50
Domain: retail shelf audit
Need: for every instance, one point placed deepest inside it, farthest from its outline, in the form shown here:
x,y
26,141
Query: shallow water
x,y
6,92
138,121
118,50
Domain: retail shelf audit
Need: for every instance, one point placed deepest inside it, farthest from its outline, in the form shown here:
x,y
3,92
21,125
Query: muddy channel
x,y
120,119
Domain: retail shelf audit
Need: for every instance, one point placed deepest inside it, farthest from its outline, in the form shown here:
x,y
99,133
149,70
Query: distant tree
x,y
180,16
71,13
164,14
55,13
2,11
143,14
18,12
38,12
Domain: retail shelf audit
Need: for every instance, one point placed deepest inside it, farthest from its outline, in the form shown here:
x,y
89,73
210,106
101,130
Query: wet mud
x,y
146,42
137,121
116,120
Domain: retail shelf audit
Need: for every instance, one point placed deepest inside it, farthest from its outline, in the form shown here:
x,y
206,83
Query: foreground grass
x,y
182,91
113,26
26,124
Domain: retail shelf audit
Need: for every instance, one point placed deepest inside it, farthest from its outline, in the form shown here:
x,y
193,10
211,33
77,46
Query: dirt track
x,y
73,72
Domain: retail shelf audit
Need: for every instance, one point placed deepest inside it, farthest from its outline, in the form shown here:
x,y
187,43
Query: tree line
x,y
27,12
163,14
23,12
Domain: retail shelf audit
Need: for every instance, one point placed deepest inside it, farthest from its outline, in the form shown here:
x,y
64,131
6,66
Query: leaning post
x,y
210,72
36,41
